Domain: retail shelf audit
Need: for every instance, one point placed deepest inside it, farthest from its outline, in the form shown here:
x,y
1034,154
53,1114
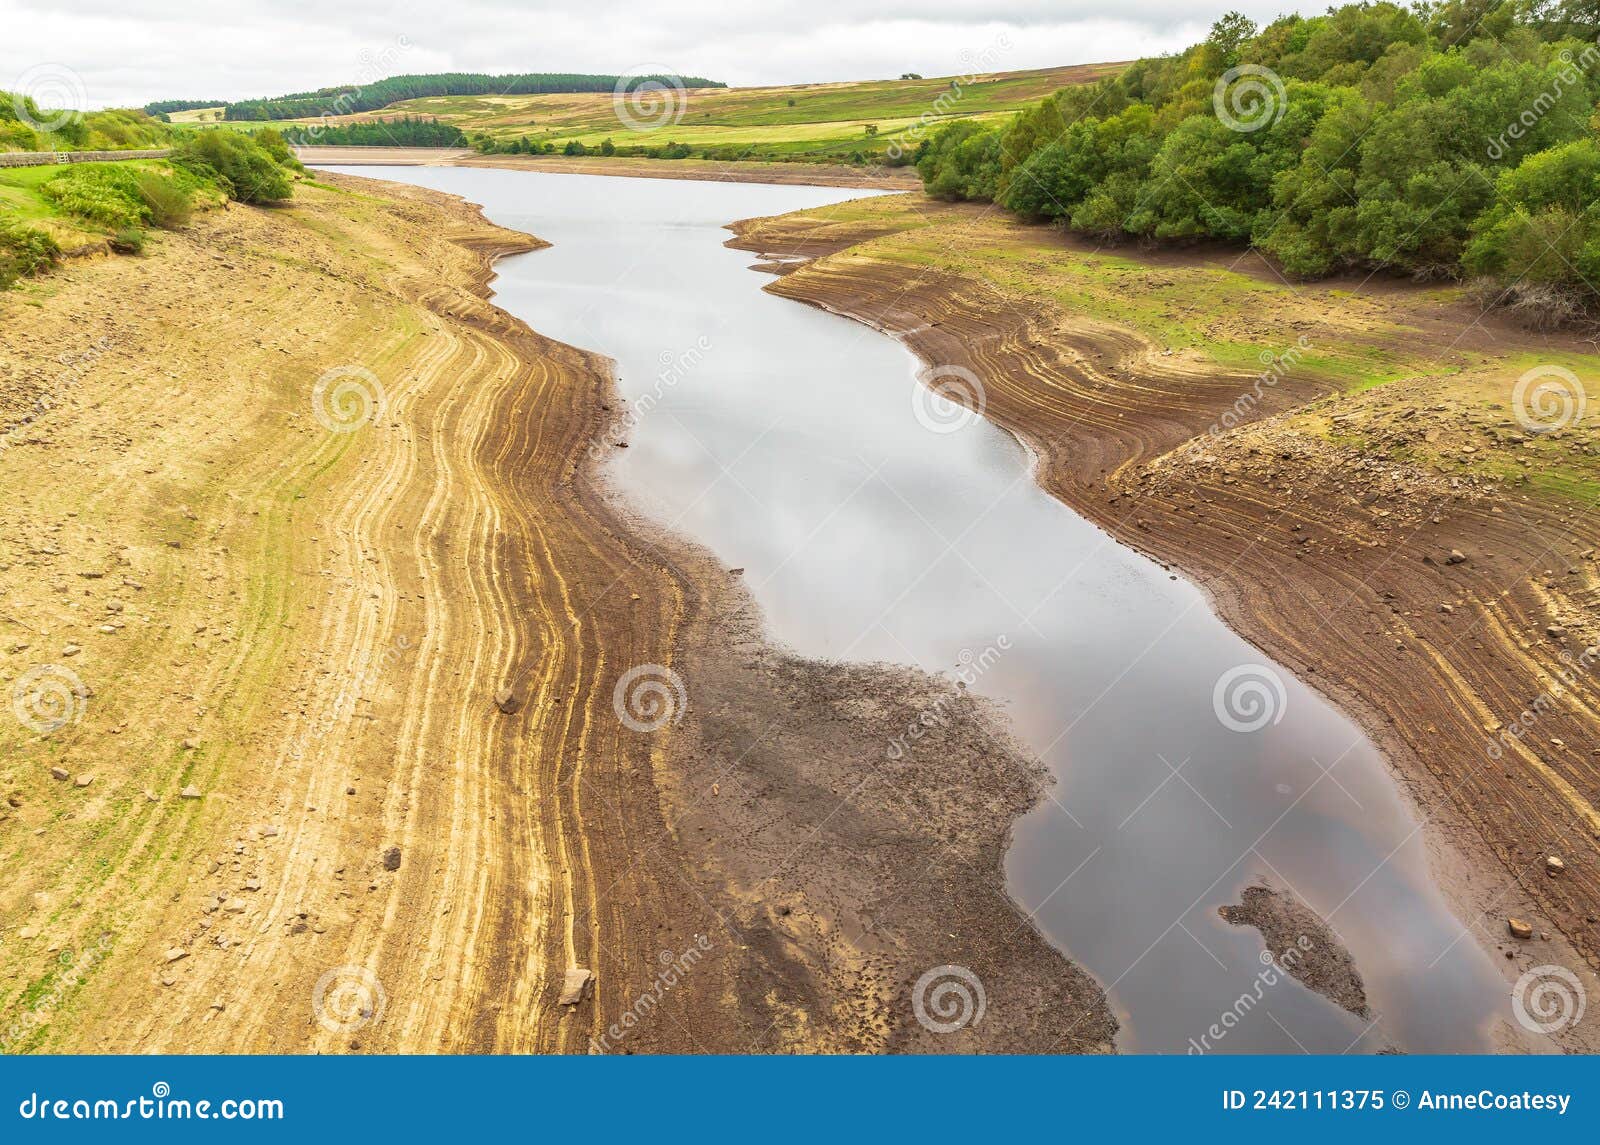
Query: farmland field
x,y
800,121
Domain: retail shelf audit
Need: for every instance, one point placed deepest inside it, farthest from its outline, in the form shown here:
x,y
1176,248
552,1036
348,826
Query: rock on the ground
x,y
575,985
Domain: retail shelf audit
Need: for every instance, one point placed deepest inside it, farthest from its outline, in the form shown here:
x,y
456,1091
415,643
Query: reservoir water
x,y
878,524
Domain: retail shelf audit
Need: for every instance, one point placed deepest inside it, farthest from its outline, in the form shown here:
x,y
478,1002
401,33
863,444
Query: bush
x,y
128,240
243,167
167,197
102,193
23,251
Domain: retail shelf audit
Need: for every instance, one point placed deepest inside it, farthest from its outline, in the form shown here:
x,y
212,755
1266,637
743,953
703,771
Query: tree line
x,y
350,98
406,131
1453,139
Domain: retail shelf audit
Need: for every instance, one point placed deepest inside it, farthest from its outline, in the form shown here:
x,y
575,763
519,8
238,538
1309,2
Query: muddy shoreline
x,y
1106,414
830,881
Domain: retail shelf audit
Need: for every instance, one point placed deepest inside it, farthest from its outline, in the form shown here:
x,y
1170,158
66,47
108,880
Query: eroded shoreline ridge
x,y
1434,578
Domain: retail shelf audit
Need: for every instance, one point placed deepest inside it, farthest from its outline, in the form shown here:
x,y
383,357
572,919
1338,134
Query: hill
x,y
349,99
875,119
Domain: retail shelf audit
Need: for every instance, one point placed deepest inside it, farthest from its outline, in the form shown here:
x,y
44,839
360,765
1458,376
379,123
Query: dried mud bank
x,y
1433,608
1301,942
304,530
731,171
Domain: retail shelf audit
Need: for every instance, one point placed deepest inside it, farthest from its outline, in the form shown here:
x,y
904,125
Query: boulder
x,y
506,700
575,986
1519,929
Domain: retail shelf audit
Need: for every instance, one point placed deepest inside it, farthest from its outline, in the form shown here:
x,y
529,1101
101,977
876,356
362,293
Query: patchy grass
x,y
801,121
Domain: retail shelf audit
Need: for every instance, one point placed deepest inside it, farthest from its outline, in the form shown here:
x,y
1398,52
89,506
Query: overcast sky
x,y
105,53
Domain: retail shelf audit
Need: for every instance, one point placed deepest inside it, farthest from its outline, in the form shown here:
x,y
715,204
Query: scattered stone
x,y
575,986
14,799
83,781
270,831
190,792
234,906
391,859
176,953
1456,557
1554,864
70,650
506,700
1519,929
1555,632
59,773
736,572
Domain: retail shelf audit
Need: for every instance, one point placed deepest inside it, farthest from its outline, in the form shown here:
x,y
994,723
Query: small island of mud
x,y
1302,944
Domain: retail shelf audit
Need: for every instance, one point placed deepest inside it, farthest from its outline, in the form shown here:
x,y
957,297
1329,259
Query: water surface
x,y
797,445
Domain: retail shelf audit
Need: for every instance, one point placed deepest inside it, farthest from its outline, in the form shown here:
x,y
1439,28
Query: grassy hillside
x,y
803,121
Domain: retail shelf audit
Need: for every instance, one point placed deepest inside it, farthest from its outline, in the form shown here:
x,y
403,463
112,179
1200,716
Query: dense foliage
x,y
23,250
1439,140
250,168
24,126
351,98
403,132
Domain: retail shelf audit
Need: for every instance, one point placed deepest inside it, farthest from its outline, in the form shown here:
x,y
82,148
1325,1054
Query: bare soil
x,y
1323,533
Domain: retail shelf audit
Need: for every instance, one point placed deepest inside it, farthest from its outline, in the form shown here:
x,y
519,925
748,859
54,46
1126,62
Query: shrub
x,y
241,166
168,197
102,193
128,240
24,250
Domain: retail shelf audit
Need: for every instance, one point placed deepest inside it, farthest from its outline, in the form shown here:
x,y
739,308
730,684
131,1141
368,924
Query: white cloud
x,y
128,52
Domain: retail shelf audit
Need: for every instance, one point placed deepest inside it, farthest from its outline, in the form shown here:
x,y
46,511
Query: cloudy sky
x,y
104,53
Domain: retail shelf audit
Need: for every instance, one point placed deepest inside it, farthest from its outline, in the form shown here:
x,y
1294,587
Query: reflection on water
x,y
788,441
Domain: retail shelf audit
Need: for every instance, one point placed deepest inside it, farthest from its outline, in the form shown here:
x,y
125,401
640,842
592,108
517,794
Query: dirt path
x,y
1336,559
294,505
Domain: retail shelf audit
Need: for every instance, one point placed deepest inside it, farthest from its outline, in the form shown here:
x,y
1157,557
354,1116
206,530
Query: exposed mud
x,y
1302,943
1338,562
348,726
